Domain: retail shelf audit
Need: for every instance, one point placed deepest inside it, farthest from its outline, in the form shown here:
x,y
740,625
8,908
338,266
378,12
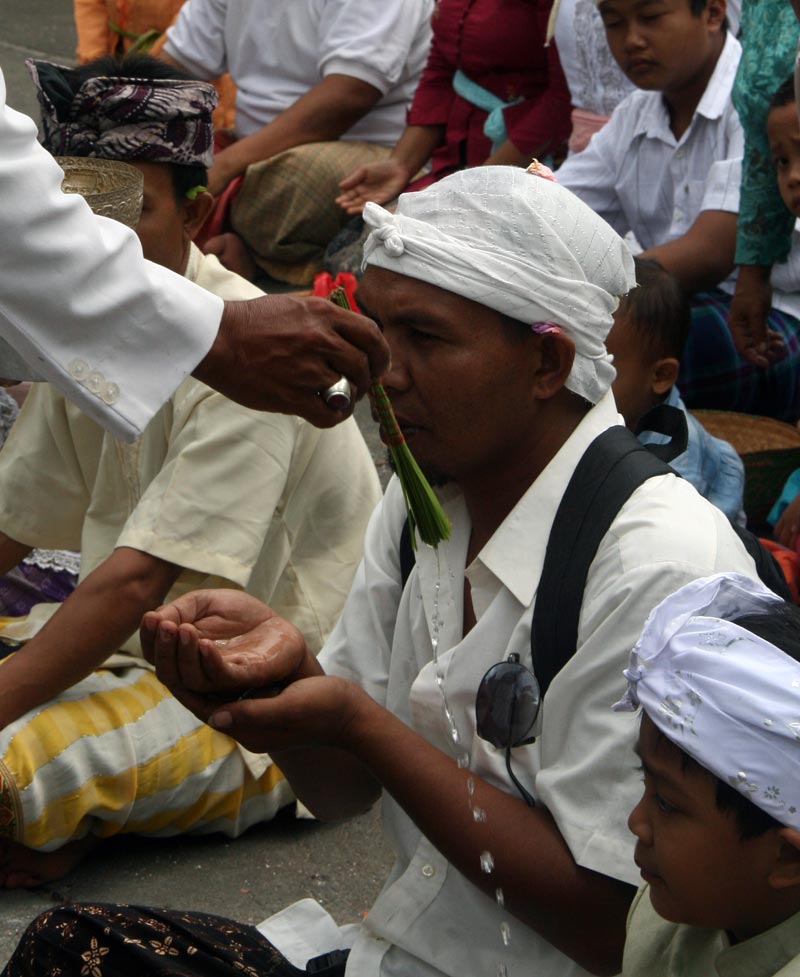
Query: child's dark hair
x,y
698,6
783,95
142,66
658,309
781,627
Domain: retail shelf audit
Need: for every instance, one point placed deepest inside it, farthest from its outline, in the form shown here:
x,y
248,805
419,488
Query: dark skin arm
x,y
702,257
338,747
92,623
277,352
12,552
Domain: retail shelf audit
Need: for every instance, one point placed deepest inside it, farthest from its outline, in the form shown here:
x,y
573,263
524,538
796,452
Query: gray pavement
x,y
342,866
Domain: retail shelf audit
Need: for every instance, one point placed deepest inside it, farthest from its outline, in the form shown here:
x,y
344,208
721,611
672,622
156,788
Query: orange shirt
x,y
95,37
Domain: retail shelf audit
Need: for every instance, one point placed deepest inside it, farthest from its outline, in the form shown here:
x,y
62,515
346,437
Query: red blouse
x,y
500,45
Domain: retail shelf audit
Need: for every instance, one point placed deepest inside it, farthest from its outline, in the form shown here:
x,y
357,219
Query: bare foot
x,y
26,868
233,254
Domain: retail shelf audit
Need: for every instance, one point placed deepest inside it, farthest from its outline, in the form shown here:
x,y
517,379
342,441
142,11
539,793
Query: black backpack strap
x,y
407,558
613,466
671,422
767,567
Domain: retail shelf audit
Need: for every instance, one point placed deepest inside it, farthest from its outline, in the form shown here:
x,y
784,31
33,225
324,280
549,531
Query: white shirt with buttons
x,y
640,178
78,302
429,920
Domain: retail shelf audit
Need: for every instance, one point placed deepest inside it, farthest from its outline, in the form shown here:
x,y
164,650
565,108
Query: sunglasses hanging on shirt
x,y
506,708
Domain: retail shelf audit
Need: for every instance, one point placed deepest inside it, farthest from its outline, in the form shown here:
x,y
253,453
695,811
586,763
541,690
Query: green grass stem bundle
x,y
425,514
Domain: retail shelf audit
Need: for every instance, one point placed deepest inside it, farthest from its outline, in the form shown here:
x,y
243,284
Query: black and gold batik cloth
x,y
96,940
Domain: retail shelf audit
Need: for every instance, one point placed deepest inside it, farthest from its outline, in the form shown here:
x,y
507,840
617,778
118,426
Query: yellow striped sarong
x,y
117,752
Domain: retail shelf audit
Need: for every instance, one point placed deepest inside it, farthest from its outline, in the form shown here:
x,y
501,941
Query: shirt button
x,y
95,381
679,154
110,394
677,216
79,369
428,871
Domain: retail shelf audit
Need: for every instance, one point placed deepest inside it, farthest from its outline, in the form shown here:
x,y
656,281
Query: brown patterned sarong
x,y
285,211
96,940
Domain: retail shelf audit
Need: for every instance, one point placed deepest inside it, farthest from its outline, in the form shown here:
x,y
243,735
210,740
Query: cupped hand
x,y
378,182
279,352
222,643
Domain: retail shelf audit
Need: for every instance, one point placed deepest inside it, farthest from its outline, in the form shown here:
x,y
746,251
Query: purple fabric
x,y
156,120
27,585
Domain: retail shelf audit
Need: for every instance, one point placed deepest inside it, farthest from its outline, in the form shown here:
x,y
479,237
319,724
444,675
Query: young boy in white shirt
x,y
717,675
667,167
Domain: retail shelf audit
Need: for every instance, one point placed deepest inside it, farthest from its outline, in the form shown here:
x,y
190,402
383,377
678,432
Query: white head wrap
x,y
723,695
518,244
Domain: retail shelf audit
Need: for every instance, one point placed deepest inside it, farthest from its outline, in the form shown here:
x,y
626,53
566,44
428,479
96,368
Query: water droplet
x,y
500,896
487,862
502,970
505,933
479,814
470,786
463,761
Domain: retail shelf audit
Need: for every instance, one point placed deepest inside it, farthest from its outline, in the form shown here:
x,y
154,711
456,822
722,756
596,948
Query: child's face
x,y
660,44
162,226
699,869
783,131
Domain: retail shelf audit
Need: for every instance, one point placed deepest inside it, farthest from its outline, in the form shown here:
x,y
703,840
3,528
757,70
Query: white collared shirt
x,y
429,920
277,51
640,178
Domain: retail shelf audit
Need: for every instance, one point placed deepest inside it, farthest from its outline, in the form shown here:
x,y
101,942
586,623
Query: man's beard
x,y
436,479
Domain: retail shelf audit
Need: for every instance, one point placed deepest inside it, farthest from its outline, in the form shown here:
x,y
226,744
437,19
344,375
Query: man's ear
x,y
715,11
663,375
786,870
195,213
557,354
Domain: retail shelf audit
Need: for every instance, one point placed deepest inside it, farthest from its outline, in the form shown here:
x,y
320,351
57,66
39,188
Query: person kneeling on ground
x,y
495,290
91,743
716,673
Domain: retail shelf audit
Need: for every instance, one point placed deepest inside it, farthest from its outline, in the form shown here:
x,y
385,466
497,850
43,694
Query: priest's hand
x,y
280,352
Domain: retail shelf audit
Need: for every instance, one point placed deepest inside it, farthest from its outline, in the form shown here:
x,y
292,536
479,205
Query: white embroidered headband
x,y
523,246
728,698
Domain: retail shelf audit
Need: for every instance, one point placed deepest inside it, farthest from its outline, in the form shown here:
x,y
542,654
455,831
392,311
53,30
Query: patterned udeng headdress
x,y
728,698
156,120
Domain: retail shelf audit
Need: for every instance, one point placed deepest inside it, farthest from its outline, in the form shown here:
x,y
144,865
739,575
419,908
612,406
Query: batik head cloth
x,y
518,244
728,698
152,120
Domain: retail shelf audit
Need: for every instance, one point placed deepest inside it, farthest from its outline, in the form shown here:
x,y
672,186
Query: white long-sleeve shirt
x,y
114,333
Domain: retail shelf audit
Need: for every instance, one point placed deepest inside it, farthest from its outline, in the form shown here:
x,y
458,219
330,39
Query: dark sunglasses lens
x,y
507,704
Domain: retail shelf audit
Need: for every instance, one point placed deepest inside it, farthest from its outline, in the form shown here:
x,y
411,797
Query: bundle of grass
x,y
425,514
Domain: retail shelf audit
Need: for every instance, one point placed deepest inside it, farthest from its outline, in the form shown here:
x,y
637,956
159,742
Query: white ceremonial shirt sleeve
x,y
592,173
197,38
369,39
664,537
115,333
722,186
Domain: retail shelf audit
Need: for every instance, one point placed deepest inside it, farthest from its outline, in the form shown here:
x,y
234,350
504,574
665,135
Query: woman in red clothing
x,y
488,71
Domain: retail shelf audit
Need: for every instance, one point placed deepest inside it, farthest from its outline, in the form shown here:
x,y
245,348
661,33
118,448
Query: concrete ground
x,y
342,866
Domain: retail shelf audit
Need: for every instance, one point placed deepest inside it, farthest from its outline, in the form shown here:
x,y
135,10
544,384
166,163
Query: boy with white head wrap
x,y
717,675
495,291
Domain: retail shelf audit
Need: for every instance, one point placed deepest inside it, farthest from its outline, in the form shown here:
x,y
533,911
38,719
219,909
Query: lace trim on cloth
x,y
59,560
10,806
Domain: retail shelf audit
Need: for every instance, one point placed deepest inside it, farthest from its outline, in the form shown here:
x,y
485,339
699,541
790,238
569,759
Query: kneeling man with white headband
x,y
495,290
